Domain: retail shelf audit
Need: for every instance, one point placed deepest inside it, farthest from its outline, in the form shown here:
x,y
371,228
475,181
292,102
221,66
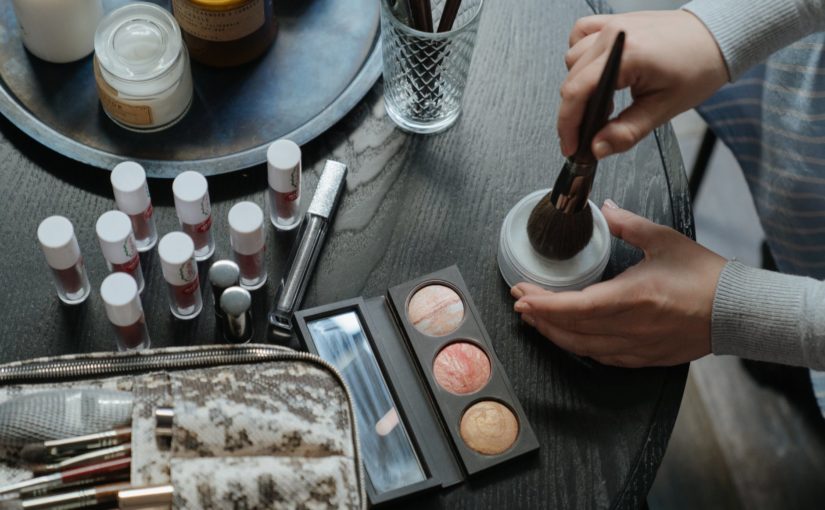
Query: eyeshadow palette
x,y
433,403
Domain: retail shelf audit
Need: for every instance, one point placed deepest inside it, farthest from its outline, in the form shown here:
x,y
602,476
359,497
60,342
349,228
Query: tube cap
x,y
130,188
222,275
119,292
246,228
116,238
177,258
236,304
330,185
58,242
283,158
191,198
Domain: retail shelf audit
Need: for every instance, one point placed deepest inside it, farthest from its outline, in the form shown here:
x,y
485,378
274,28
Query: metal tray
x,y
326,58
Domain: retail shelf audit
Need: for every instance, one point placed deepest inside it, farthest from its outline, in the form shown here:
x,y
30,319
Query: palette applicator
x,y
561,224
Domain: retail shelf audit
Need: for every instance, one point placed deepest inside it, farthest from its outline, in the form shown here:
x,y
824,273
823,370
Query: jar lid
x,y
219,5
121,299
114,233
58,242
246,228
518,261
130,189
138,42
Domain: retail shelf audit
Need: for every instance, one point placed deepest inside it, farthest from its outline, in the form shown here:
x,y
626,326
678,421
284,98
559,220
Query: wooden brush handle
x,y
597,110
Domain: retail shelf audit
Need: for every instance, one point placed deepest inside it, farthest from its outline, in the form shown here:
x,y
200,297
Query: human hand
x,y
670,62
656,313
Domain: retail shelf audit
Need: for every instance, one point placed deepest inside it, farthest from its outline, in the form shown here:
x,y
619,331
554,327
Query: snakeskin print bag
x,y
255,426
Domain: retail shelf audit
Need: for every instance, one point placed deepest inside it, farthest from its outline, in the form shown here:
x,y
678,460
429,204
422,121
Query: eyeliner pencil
x,y
93,457
83,498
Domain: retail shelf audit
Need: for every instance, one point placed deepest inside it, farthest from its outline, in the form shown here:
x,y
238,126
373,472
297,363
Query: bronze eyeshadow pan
x,y
432,401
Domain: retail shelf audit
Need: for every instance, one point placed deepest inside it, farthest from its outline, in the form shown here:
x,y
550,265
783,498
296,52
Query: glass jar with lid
x,y
142,68
225,33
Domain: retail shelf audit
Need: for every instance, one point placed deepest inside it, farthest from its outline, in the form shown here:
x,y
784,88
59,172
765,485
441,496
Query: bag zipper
x,y
72,367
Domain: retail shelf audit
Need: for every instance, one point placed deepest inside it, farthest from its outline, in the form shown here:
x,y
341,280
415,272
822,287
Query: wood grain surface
x,y
413,205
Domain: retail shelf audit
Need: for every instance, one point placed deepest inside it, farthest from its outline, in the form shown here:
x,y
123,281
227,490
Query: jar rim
x,y
154,66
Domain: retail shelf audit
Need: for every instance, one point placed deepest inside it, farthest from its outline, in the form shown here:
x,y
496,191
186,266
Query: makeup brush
x,y
422,13
57,448
69,477
448,15
561,224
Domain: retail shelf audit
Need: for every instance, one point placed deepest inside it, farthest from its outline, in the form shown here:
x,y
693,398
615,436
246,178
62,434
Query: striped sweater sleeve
x,y
748,31
769,316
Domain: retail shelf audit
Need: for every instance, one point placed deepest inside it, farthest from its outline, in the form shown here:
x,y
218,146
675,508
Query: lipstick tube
x,y
132,197
117,243
177,260
284,177
305,251
248,239
59,244
121,299
194,210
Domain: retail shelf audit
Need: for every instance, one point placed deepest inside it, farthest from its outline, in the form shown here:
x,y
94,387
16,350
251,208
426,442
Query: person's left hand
x,y
657,313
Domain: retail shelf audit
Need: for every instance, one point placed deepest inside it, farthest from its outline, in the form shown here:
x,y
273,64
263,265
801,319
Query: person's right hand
x,y
671,63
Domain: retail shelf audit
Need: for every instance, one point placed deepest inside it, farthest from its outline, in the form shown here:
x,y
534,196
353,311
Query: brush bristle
x,y
558,235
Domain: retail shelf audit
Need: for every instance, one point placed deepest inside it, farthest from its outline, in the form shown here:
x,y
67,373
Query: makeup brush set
x,y
185,428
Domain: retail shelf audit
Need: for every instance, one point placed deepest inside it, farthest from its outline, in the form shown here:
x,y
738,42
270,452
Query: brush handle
x,y
449,15
597,109
572,187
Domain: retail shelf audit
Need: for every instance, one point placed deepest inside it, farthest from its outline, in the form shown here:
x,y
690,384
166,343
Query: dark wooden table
x,y
413,205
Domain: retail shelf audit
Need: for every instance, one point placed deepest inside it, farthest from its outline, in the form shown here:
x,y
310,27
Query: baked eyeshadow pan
x,y
436,310
461,368
488,427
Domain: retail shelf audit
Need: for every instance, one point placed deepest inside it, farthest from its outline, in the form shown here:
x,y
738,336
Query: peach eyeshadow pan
x,y
436,310
461,368
489,428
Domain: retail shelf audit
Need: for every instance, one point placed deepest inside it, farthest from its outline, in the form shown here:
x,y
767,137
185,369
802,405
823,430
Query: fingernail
x,y
522,307
516,292
611,204
528,319
602,150
563,146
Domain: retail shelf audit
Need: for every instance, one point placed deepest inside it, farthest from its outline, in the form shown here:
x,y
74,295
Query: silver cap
x,y
222,275
157,497
236,305
329,189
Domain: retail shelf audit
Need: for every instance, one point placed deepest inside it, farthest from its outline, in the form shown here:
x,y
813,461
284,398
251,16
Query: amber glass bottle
x,y
224,33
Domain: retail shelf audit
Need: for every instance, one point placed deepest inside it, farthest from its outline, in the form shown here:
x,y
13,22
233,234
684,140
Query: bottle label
x,y
147,214
186,274
127,113
219,25
287,181
204,226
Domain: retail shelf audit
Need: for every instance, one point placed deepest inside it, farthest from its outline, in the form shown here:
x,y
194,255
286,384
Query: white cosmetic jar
x,y
58,31
142,68
519,262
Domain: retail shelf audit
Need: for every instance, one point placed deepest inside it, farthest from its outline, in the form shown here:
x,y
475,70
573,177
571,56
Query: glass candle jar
x,y
56,30
225,33
142,68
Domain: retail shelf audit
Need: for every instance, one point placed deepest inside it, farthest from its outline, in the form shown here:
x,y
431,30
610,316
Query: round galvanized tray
x,y
326,58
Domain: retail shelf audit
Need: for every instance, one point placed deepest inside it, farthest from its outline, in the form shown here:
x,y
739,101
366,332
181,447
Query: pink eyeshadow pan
x,y
436,310
461,368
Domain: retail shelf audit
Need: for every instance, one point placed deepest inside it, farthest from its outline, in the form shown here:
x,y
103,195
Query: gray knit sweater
x,y
759,314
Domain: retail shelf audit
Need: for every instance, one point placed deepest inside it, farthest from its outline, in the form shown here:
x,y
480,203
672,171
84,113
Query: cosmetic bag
x,y
255,426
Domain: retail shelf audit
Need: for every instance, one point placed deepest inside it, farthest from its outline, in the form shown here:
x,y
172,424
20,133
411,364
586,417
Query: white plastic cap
x,y
121,299
191,198
284,166
177,258
116,238
58,242
246,228
130,188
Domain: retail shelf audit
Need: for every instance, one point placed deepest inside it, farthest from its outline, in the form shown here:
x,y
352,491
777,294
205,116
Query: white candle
x,y
142,68
58,30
